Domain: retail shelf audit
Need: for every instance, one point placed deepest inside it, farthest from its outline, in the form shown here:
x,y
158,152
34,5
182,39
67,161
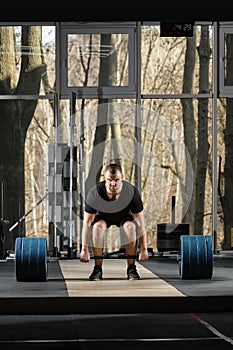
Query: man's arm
x,y
86,233
139,218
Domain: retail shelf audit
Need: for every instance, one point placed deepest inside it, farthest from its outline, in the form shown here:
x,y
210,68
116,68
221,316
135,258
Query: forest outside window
x,y
164,61
98,61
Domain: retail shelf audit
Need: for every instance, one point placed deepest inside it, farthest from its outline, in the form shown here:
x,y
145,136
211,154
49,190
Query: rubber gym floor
x,y
160,289
158,311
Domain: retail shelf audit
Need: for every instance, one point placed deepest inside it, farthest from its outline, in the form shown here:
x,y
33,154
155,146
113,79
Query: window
x,y
226,60
98,60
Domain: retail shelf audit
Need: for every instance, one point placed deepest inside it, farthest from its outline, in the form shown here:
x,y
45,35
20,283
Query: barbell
x,y
195,258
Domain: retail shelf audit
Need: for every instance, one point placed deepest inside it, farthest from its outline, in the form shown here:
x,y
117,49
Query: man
x,y
113,201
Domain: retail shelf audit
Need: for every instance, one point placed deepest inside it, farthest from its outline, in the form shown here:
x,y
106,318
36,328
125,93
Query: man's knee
x,y
100,224
98,232
129,229
129,226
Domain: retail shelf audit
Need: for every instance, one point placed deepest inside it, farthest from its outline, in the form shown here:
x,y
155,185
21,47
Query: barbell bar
x,y
195,258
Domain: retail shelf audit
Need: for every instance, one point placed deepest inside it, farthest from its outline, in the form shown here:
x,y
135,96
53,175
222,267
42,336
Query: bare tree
x,y
104,126
16,116
204,52
102,119
188,118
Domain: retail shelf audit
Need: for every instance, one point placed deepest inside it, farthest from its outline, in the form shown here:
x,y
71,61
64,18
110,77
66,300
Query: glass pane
x,y
164,62
40,135
109,131
27,60
97,60
228,59
169,163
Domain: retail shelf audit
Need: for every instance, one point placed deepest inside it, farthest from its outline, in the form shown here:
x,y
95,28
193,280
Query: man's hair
x,y
113,168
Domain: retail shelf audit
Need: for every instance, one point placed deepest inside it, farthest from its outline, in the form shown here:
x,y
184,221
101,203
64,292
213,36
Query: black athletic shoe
x,y
96,274
132,273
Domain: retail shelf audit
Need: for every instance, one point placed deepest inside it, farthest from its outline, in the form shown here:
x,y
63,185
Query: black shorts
x,y
110,222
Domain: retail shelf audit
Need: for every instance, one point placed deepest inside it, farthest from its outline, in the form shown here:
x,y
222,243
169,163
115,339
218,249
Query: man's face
x,y
113,181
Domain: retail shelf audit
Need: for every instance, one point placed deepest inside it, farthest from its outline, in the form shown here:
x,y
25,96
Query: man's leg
x,y
131,249
129,229
98,231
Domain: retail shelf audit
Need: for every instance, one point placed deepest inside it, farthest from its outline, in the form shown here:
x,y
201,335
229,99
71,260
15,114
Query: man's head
x,y
113,177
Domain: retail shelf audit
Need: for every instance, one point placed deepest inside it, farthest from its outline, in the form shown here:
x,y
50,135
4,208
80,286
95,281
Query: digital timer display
x,y
169,29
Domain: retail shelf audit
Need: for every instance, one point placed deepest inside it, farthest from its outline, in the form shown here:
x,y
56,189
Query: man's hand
x,y
85,256
143,255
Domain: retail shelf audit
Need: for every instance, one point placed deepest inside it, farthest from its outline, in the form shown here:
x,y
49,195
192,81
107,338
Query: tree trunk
x,y
189,122
203,145
15,117
102,119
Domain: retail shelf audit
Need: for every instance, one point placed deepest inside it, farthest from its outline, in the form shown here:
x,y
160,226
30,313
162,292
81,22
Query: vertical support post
x,y
2,201
55,125
71,145
173,209
138,151
4,225
214,138
81,170
2,236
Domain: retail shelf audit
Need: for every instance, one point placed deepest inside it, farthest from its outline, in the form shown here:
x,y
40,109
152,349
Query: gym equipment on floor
x,y
195,258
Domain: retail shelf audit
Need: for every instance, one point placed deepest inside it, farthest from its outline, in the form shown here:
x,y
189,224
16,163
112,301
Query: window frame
x,y
95,92
224,90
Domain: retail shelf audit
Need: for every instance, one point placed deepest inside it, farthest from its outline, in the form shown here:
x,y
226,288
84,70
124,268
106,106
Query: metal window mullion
x,y
137,58
214,136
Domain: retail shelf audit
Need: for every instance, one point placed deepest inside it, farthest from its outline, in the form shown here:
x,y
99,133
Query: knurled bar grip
x,y
112,257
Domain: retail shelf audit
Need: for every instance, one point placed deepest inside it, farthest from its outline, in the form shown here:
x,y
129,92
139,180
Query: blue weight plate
x,y
193,257
201,257
25,258
207,266
34,252
31,259
184,257
205,257
18,247
42,259
209,271
196,259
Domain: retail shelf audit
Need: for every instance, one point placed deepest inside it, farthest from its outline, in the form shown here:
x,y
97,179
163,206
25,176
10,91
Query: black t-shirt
x,y
128,202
